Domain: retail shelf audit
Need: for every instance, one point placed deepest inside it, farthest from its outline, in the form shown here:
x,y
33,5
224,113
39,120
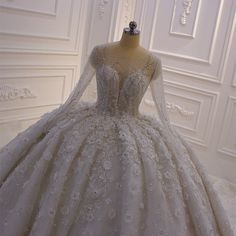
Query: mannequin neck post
x,y
129,40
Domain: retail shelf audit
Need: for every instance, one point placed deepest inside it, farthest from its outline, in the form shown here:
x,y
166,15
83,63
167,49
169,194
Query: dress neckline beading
x,y
124,94
122,85
141,70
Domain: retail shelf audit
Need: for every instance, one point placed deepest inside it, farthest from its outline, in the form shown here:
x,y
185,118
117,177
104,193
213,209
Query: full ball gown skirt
x,y
104,169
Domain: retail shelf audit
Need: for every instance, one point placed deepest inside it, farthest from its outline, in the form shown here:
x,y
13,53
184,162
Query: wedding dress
x,y
105,169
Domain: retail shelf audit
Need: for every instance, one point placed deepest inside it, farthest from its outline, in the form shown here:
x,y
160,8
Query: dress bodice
x,y
116,96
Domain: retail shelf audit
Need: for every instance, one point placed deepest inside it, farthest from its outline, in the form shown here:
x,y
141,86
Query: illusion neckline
x,y
142,68
121,85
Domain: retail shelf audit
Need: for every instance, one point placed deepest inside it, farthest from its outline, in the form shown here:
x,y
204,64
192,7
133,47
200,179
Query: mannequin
x,y
127,53
104,168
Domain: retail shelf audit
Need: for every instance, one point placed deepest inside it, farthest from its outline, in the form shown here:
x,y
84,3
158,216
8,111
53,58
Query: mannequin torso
x,y
127,56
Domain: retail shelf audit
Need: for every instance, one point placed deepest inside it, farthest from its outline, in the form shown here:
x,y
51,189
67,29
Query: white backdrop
x,y
44,45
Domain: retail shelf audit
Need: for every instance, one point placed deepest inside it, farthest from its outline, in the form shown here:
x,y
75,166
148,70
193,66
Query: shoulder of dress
x,y
99,48
96,56
150,65
157,66
156,60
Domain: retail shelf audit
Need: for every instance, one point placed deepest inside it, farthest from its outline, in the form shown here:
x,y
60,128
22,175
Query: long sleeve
x,y
11,153
85,79
157,91
74,98
179,147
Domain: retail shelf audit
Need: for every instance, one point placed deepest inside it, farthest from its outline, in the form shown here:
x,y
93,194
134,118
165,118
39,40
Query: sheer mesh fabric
x,y
105,168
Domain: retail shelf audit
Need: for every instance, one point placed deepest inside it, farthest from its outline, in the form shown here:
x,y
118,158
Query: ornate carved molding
x,y
8,93
101,7
174,108
187,10
127,12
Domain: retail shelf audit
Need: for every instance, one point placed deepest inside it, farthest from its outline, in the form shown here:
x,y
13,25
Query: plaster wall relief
x,y
26,94
44,7
108,19
124,14
41,26
234,77
228,135
191,110
102,7
173,108
44,43
227,141
186,12
9,93
185,18
194,39
194,44
42,46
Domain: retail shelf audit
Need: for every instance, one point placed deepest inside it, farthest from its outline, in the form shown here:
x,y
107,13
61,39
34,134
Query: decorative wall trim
x,y
179,26
67,36
8,93
124,14
26,10
97,23
181,56
64,71
209,70
101,7
66,44
231,48
227,152
34,36
27,113
192,74
140,11
212,48
227,145
187,5
172,107
127,9
202,135
234,77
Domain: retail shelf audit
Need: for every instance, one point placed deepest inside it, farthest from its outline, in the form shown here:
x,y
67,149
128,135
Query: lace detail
x,y
114,95
100,57
105,169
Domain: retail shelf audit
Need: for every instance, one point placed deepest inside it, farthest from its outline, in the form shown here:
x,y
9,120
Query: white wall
x,y
42,44
196,42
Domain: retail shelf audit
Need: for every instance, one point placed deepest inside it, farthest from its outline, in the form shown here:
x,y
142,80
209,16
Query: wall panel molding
x,y
57,34
34,6
102,7
173,108
185,13
16,122
38,79
125,13
191,110
227,144
48,41
211,52
234,77
198,54
9,93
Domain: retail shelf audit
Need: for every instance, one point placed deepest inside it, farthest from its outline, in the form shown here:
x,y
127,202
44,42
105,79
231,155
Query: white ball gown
x,y
105,169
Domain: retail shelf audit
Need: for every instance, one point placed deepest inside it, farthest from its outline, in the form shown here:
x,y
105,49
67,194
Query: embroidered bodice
x,y
79,172
115,94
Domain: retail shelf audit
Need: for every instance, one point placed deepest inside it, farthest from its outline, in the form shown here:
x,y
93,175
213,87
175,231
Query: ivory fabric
x,y
105,169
